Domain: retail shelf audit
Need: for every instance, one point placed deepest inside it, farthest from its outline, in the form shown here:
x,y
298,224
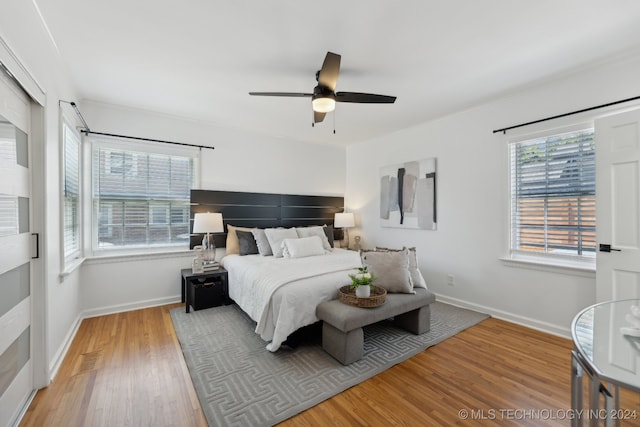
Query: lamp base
x,y
344,243
356,245
208,249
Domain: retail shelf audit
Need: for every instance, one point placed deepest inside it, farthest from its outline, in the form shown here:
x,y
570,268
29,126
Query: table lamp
x,y
208,223
344,220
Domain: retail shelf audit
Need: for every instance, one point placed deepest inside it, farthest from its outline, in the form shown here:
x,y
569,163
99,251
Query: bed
x,y
281,294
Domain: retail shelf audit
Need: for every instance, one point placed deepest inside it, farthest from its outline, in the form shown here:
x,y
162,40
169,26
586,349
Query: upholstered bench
x,y
342,335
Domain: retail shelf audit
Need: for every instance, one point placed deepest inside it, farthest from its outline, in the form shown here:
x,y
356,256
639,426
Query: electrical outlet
x,y
450,280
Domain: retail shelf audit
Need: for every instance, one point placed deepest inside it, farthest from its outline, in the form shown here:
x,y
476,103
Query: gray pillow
x,y
262,243
328,230
417,279
391,270
247,243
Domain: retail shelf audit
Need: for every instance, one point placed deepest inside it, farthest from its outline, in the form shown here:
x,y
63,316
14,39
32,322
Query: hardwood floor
x,y
127,370
124,369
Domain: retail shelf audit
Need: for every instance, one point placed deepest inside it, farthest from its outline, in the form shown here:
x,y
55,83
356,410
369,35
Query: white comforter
x,y
281,294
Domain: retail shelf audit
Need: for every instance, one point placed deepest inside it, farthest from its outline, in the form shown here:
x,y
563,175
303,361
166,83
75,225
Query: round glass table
x,y
606,339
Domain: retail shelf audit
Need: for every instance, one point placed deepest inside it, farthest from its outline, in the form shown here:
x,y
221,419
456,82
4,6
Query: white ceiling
x,y
200,58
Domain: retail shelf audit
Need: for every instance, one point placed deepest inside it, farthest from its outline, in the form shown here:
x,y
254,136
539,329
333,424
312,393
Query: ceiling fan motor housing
x,y
323,92
323,99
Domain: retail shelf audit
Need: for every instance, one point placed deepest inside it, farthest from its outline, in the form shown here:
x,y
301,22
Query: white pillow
x,y
302,247
264,248
275,236
314,230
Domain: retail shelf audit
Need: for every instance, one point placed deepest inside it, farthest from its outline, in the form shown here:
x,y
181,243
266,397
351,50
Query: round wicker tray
x,y
348,296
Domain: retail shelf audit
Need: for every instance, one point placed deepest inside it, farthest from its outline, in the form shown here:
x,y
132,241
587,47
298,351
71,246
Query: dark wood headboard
x,y
264,210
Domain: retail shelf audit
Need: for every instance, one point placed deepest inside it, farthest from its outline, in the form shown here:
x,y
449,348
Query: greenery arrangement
x,y
362,278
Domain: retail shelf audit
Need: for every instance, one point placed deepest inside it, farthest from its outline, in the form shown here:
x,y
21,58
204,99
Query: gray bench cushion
x,y
342,335
347,318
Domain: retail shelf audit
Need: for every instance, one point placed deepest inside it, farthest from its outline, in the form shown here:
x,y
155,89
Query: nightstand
x,y
205,290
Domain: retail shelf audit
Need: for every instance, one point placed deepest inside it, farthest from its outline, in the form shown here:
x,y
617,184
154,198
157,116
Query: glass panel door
x,y
16,372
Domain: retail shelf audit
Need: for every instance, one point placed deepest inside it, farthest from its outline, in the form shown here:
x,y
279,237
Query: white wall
x,y
240,162
22,31
471,197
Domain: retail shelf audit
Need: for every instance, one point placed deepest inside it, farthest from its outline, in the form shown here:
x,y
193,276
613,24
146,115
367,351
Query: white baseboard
x,y
120,308
64,348
24,409
56,362
549,328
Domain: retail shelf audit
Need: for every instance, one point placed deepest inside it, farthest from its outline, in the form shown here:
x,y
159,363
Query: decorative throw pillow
x,y
302,247
416,275
264,248
314,231
247,243
414,272
276,236
233,247
391,270
328,231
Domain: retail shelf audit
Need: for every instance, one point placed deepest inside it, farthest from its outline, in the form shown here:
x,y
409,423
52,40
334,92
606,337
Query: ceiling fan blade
x,y
290,94
364,98
328,75
318,117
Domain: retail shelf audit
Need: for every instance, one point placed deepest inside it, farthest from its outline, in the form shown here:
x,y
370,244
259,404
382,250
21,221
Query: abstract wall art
x,y
408,195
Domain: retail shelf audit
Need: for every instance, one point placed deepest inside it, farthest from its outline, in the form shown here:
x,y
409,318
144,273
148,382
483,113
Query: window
x,y
141,195
553,204
71,193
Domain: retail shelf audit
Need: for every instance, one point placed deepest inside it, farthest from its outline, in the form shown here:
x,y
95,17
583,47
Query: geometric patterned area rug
x,y
240,383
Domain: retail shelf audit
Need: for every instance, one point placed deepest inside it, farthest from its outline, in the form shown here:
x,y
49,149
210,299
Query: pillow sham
x,y
247,243
233,246
275,236
314,230
417,279
302,247
264,248
328,231
391,270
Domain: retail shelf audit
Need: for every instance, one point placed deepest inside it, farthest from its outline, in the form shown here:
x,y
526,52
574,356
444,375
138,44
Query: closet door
x,y
16,372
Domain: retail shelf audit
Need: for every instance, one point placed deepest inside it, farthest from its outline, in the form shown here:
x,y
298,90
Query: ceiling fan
x,y
324,96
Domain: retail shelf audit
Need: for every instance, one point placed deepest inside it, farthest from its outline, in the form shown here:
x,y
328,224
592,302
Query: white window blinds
x,y
553,206
141,195
71,193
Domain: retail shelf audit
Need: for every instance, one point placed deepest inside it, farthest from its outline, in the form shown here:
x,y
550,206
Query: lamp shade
x,y
207,223
344,220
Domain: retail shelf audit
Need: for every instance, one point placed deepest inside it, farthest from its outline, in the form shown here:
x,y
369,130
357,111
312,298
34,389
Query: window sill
x,y
72,266
137,256
583,269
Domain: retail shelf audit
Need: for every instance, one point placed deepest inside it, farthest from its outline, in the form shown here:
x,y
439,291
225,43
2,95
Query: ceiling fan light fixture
x,y
323,104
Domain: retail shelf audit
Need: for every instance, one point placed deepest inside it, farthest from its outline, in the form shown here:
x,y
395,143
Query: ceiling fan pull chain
x,y
334,122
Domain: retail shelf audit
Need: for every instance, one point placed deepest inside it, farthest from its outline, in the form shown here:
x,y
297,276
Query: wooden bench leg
x,y
417,321
345,347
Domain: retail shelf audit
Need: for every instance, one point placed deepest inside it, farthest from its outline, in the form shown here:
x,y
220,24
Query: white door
x,y
16,373
618,206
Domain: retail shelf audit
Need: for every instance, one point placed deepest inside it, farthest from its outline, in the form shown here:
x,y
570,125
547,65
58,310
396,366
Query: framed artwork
x,y
408,195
